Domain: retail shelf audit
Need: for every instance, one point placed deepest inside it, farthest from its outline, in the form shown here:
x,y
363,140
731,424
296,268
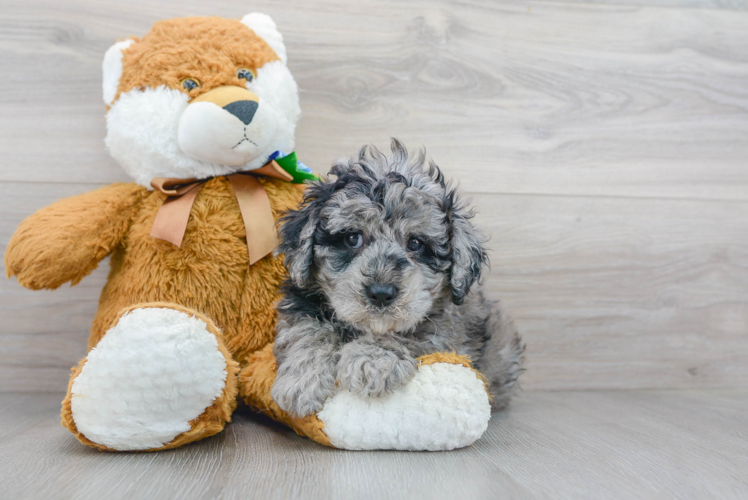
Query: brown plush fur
x,y
210,50
208,276
256,380
65,241
445,357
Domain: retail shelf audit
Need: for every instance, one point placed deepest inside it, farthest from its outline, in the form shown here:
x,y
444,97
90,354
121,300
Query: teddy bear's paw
x,y
153,377
443,407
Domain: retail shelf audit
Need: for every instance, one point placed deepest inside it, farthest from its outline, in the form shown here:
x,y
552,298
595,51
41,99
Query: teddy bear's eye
x,y
190,84
246,74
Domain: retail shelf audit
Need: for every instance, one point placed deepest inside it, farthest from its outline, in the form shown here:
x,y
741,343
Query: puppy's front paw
x,y
374,374
301,396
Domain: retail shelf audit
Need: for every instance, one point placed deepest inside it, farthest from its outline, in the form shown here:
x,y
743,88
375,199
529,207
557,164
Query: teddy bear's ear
x,y
112,69
265,27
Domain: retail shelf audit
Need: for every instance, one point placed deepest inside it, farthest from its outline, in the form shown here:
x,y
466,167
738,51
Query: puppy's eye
x,y
189,84
246,74
415,245
354,240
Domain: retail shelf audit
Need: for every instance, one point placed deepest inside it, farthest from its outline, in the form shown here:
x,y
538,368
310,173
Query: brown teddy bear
x,y
195,98
199,113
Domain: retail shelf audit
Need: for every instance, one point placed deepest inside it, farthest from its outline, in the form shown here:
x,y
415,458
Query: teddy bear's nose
x,y
244,110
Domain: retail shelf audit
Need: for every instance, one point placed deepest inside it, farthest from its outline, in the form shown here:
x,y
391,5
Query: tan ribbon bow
x,y
171,219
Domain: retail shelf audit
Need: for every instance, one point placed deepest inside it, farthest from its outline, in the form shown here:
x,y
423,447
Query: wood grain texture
x,y
679,4
622,293
660,444
604,145
537,97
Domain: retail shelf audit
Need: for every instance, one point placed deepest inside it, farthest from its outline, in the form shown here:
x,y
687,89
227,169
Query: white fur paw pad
x,y
151,374
443,407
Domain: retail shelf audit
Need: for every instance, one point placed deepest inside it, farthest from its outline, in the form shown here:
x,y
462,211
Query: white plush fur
x,y
277,89
264,26
143,128
112,69
151,374
211,134
443,407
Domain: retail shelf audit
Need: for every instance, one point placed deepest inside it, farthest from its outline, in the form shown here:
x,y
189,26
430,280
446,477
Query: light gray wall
x,y
605,145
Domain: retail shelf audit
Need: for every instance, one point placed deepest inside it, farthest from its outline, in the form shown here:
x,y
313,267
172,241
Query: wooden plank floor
x,y
622,444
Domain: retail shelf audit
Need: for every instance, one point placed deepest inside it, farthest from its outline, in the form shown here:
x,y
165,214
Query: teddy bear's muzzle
x,y
227,125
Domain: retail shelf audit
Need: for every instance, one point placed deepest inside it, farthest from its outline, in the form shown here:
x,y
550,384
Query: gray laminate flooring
x,y
597,445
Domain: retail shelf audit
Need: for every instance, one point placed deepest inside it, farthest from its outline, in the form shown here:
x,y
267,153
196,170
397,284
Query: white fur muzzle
x,y
213,135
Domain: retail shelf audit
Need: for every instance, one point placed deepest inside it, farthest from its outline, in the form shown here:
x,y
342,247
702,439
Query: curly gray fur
x,y
416,238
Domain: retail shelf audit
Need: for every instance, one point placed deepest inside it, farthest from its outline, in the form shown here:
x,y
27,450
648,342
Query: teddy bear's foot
x,y
445,406
160,377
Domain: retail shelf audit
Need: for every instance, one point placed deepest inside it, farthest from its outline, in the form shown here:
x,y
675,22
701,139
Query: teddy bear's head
x,y
199,97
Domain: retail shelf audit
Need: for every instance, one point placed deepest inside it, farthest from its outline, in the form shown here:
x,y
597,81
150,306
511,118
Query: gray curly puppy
x,y
384,266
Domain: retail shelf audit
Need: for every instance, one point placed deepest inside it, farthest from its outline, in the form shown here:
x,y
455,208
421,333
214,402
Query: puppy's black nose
x,y
381,295
244,110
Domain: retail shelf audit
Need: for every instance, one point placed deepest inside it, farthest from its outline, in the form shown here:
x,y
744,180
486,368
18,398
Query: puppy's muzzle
x,y
382,295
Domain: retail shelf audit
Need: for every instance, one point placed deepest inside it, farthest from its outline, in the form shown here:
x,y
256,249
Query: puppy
x,y
384,266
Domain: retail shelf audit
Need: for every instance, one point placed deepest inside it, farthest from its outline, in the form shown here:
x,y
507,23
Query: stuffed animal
x,y
201,113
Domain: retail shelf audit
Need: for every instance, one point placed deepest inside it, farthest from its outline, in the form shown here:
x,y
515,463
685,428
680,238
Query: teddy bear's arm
x,y
66,240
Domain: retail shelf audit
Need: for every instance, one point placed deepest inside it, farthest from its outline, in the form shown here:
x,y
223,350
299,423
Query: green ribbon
x,y
290,164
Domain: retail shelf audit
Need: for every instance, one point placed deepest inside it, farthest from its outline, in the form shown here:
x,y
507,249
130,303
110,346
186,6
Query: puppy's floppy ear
x,y
297,228
468,254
